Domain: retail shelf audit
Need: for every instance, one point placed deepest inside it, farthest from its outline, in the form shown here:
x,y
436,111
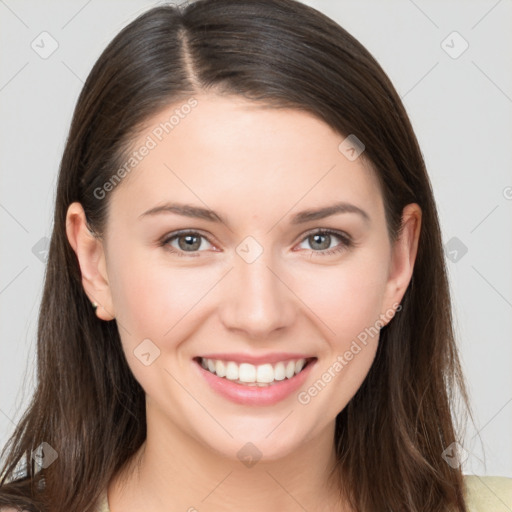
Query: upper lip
x,y
275,357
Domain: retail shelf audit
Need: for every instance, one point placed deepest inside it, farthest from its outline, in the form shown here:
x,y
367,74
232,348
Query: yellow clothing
x,y
489,493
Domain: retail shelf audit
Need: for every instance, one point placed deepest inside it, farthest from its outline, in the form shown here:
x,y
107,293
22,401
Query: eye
x,y
191,243
320,241
185,242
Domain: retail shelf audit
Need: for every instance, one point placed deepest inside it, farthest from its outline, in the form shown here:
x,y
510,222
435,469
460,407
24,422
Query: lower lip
x,y
254,395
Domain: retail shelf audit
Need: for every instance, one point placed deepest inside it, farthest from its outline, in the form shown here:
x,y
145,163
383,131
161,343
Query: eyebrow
x,y
327,211
188,210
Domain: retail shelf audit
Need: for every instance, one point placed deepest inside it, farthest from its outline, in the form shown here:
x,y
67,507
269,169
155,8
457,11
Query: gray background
x,y
460,106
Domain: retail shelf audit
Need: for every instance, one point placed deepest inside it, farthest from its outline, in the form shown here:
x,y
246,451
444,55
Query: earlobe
x,y
91,258
403,257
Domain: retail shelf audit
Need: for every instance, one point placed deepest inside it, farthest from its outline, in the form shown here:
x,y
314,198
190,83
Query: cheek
x,y
346,298
152,299
347,301
160,304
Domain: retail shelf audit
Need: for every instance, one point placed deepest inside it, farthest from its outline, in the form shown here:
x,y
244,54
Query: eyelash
x,y
346,242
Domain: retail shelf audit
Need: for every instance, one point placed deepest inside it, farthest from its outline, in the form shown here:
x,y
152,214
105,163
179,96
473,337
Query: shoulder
x,y
103,502
488,493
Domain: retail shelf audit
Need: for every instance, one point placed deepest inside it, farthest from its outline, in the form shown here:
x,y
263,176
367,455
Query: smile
x,y
259,384
254,375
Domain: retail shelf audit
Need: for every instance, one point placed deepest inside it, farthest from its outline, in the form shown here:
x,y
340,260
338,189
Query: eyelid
x,y
346,244
346,239
168,237
328,231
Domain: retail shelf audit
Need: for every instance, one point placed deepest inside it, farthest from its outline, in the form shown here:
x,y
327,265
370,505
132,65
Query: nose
x,y
257,299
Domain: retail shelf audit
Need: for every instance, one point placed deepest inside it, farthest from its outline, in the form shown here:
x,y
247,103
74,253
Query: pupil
x,y
327,238
189,244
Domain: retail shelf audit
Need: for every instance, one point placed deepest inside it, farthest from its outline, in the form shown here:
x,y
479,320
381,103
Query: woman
x,y
246,304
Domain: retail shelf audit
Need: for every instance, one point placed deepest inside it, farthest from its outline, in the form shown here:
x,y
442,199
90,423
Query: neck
x,y
173,470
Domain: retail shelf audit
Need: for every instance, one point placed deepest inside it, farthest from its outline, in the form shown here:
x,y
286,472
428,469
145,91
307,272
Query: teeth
x,y
279,371
220,368
290,369
247,373
265,373
251,375
232,371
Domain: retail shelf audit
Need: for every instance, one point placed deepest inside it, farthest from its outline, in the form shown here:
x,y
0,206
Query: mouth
x,y
255,375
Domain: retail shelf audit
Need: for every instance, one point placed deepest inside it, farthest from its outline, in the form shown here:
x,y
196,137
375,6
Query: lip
x,y
275,357
254,395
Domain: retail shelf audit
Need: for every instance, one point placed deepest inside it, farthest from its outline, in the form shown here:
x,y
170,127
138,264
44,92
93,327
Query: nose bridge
x,y
257,301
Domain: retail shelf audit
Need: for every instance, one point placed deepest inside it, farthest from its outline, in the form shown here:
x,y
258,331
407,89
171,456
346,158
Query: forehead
x,y
231,152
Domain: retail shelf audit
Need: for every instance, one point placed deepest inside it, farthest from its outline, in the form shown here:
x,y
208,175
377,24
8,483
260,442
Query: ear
x,y
91,257
403,257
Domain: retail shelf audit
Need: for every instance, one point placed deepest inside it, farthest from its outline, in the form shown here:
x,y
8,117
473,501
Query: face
x,y
245,241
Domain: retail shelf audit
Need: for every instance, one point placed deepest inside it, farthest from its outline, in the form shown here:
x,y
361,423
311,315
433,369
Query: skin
x,y
256,167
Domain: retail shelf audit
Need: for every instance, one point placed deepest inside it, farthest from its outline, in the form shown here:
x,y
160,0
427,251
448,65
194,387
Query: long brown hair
x,y
88,406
